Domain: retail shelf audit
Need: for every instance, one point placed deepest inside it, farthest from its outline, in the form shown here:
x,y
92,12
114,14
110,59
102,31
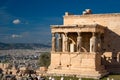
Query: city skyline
x,y
28,21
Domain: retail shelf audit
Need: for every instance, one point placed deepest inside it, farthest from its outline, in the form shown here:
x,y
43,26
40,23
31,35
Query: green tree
x,y
44,59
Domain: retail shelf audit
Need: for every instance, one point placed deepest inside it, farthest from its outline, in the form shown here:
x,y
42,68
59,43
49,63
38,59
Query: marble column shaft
x,y
79,42
99,42
60,43
53,42
66,42
93,44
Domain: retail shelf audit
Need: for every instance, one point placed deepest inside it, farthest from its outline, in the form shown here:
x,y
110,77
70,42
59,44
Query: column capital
x,y
59,35
93,33
66,34
53,34
79,33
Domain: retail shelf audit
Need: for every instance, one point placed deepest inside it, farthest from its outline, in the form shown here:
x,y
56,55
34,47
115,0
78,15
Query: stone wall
x,y
111,62
79,64
110,21
110,38
72,60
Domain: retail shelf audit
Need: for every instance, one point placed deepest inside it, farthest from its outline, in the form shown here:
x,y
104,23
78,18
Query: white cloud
x,y
16,21
16,36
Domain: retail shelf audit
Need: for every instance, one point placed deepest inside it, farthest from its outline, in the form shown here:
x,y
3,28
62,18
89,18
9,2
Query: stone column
x,y
99,42
93,45
79,42
66,43
72,47
53,42
59,42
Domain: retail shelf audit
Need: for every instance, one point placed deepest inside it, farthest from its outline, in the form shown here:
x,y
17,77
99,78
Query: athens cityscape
x,y
59,40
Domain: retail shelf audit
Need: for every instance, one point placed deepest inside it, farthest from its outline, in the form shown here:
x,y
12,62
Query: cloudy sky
x,y
28,21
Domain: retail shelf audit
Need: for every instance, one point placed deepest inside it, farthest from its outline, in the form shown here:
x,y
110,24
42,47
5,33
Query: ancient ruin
x,y
86,45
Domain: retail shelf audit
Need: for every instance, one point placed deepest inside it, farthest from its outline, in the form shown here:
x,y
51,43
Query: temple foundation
x,y
81,65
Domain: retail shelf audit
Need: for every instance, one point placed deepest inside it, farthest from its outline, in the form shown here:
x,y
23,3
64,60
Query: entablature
x,y
77,28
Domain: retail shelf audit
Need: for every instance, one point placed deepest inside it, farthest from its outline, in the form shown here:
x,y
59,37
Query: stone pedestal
x,y
82,65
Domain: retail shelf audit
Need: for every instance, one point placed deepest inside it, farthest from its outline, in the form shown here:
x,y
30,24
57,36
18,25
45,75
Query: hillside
x,y
5,46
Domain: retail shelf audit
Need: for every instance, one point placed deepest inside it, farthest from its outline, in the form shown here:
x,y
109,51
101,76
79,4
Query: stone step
x,y
77,71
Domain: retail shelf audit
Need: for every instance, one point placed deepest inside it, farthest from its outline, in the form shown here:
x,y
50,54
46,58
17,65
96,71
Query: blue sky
x,y
28,21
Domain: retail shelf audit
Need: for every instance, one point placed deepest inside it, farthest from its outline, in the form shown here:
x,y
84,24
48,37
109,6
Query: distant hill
x,y
5,46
